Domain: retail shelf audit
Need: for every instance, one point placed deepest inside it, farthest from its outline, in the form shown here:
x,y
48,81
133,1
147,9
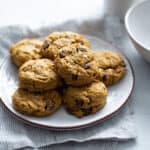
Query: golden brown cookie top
x,y
58,40
25,50
36,104
112,66
78,69
87,96
72,50
109,59
41,70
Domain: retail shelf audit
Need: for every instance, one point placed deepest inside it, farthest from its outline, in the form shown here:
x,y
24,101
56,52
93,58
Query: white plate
x,y
118,95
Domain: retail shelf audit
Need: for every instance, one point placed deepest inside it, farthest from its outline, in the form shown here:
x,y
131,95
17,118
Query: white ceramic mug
x,y
118,7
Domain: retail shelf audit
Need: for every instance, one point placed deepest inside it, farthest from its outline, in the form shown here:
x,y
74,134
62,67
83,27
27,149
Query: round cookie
x,y
36,104
38,75
25,50
78,69
112,65
82,101
58,40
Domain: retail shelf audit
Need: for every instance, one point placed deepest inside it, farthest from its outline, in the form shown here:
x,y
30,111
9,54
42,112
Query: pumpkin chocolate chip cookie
x,y
38,75
78,69
112,65
58,40
36,104
82,101
25,50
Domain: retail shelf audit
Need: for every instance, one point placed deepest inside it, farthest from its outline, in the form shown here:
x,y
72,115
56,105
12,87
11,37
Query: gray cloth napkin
x,y
15,134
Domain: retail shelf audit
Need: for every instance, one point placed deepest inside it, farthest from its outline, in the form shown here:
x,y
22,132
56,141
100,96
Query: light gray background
x,y
33,13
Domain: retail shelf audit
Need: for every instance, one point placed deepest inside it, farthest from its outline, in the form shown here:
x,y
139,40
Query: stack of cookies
x,y
63,70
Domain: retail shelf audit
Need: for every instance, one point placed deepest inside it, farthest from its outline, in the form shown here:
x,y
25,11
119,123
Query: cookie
x,y
112,65
58,40
25,50
72,50
82,101
78,69
38,75
36,104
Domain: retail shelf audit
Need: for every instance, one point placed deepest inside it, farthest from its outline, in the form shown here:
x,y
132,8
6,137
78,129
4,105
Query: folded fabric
x,y
15,134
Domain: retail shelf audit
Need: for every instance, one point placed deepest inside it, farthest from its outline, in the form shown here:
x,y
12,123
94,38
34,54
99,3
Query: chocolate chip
x,y
74,76
80,49
45,45
61,54
94,74
104,78
87,111
79,102
69,110
87,66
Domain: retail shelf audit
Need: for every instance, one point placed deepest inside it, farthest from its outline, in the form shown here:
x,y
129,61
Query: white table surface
x,y
35,12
